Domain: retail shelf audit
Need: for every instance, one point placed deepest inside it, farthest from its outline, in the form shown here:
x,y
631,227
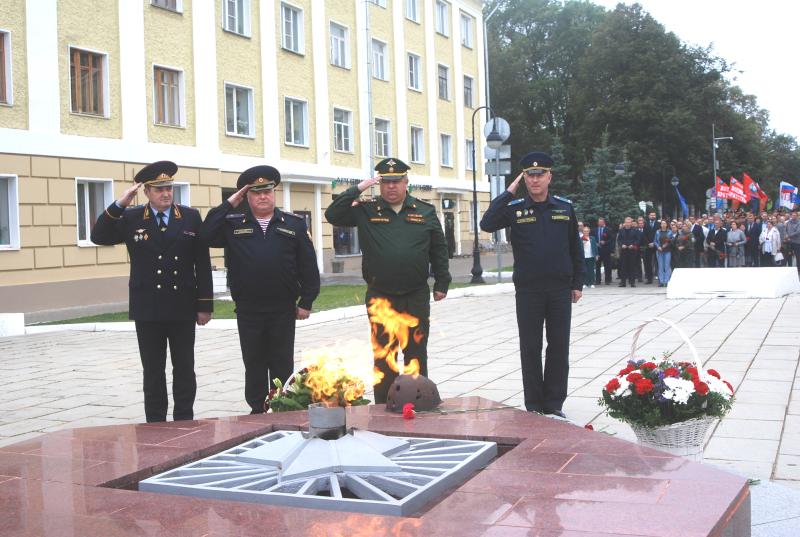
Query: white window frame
x,y
181,97
414,74
412,10
467,24
89,220
442,28
387,137
446,156
347,130
178,6
469,147
439,67
383,56
345,44
246,11
286,6
12,186
419,145
185,193
250,109
305,122
5,35
106,113
471,102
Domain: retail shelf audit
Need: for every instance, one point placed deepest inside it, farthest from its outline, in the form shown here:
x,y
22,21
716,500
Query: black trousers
x,y
153,337
713,260
796,251
649,258
698,253
605,261
544,390
628,259
386,346
267,342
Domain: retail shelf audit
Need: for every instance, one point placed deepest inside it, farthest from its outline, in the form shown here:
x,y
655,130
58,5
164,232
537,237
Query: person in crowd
x,y
674,226
684,246
736,241
793,236
170,284
780,225
590,256
663,239
273,275
605,246
698,231
770,241
715,241
650,247
548,278
640,253
629,240
752,231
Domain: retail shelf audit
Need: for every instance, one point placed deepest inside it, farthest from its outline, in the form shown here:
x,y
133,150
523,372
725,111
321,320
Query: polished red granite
x,y
553,480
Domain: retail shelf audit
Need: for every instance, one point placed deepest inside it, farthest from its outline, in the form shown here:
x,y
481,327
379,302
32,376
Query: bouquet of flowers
x,y
325,381
650,394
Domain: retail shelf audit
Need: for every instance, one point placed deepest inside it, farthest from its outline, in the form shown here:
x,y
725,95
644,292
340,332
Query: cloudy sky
x,y
760,38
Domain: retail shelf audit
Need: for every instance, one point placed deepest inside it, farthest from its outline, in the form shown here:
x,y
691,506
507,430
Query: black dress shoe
x,y
554,412
621,285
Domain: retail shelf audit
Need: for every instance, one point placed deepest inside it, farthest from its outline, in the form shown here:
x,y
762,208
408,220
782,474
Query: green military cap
x,y
392,169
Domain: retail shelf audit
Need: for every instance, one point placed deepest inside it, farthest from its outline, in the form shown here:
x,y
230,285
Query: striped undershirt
x,y
263,222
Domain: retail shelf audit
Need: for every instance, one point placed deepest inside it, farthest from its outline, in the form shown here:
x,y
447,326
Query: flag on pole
x,y
723,190
684,206
788,196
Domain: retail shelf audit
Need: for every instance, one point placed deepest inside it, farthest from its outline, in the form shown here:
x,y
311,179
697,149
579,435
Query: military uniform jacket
x,y
267,272
631,237
397,248
170,271
544,238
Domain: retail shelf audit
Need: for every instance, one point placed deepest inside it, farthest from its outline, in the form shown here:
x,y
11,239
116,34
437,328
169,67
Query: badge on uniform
x,y
140,235
519,213
382,219
526,220
243,231
285,231
559,217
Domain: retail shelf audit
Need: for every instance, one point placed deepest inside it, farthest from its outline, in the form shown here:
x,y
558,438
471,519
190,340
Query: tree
x,y
561,183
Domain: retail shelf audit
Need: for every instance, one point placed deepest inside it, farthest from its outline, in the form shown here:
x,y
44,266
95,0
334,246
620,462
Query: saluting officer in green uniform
x,y
400,238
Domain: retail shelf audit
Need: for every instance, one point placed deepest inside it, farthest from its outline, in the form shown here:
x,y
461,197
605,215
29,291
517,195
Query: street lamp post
x,y
494,140
714,140
664,188
675,182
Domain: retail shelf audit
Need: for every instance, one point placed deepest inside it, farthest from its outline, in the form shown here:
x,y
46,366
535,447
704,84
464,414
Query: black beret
x,y
157,174
392,169
261,177
536,163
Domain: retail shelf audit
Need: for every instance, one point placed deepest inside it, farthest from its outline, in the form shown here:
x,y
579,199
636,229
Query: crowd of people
x,y
647,248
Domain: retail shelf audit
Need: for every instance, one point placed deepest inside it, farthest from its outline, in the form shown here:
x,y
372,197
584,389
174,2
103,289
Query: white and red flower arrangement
x,y
653,394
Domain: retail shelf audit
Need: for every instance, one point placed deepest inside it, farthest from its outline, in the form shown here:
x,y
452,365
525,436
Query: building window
x,y
414,72
342,130
466,30
379,60
236,16
292,28
417,145
296,113
87,82
469,153
5,68
412,10
172,5
239,111
167,85
382,142
345,241
94,195
468,91
9,213
180,194
444,92
447,150
441,17
340,46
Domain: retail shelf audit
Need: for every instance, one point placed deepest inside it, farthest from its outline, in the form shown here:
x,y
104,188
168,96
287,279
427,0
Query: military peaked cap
x,y
536,163
261,177
392,169
157,174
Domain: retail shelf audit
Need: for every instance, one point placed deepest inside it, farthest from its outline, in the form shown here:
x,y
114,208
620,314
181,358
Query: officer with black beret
x,y
273,276
548,278
401,241
170,284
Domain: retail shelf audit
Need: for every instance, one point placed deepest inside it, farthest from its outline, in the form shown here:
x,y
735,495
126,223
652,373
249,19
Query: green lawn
x,y
330,297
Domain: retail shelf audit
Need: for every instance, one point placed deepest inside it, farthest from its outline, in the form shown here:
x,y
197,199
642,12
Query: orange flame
x,y
396,326
330,382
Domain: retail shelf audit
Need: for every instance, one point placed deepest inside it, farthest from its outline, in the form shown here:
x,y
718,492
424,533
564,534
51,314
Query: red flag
x,y
737,193
723,190
750,188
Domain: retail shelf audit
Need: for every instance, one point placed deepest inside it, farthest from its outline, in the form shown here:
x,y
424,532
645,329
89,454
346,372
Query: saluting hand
x,y
128,195
366,183
512,188
237,197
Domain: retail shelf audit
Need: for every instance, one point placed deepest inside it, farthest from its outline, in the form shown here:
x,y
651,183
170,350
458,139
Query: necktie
x,y
161,224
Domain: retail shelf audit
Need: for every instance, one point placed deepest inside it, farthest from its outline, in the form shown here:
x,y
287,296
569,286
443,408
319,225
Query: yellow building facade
x,y
321,90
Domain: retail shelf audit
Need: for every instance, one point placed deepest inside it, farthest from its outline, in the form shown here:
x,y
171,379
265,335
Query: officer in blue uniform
x,y
548,277
273,277
170,284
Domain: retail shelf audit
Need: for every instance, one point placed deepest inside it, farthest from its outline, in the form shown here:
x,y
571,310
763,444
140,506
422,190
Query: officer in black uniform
x,y
548,277
629,240
271,264
170,284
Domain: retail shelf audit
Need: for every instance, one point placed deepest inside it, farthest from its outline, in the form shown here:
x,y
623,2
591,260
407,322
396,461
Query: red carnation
x,y
625,371
700,387
613,385
672,372
714,373
633,377
644,386
693,372
648,365
408,411
589,426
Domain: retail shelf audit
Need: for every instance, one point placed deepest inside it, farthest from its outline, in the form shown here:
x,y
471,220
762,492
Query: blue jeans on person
x,y
664,268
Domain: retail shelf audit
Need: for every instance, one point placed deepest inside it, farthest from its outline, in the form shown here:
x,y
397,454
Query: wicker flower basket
x,y
686,438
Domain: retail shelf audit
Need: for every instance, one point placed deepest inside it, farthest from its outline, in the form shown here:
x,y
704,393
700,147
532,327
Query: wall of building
x,y
12,20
